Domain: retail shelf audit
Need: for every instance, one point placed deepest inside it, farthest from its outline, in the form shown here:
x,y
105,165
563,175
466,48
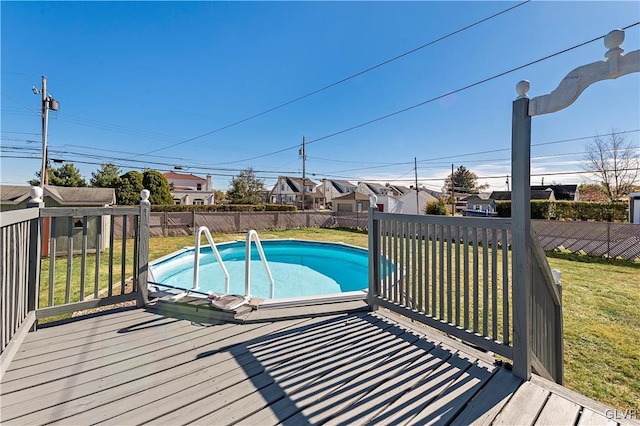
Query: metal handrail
x,y
252,234
196,260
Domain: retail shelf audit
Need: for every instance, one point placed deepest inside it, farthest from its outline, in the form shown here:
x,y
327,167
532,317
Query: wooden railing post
x,y
374,255
143,249
35,251
521,232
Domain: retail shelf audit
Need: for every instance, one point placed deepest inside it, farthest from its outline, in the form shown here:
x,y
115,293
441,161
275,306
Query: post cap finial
x,y
373,200
612,41
145,194
36,194
522,89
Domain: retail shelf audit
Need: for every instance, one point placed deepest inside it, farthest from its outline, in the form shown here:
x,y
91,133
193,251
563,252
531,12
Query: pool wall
x,y
161,290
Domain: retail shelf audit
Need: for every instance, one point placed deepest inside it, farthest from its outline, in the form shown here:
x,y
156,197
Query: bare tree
x,y
614,162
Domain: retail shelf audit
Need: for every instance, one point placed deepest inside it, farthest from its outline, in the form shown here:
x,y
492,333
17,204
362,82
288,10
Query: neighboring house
x,y
335,188
537,194
354,202
190,189
560,192
14,197
408,200
477,206
288,190
399,191
377,189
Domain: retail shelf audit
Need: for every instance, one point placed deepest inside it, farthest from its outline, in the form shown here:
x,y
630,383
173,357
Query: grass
x,y
600,298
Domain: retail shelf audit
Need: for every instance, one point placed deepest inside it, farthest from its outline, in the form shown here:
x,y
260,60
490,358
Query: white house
x,y
190,189
288,190
368,188
336,188
409,204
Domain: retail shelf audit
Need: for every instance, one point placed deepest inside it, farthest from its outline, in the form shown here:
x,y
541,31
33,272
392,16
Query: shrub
x,y
571,210
437,207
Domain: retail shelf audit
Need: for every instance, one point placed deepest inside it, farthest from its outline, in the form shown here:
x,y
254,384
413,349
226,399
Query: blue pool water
x,y
299,268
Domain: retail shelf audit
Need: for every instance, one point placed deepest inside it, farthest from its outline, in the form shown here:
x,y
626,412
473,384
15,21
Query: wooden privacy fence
x,y
85,273
455,274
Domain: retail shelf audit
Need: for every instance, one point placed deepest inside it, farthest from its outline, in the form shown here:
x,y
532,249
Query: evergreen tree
x,y
128,191
158,186
108,176
464,180
65,175
245,188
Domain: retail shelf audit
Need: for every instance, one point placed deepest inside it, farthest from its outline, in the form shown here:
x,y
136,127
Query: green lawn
x,y
600,298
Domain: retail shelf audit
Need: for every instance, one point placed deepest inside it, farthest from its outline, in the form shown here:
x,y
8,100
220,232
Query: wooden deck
x,y
139,366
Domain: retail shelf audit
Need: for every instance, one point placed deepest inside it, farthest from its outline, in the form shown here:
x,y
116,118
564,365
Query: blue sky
x,y
135,80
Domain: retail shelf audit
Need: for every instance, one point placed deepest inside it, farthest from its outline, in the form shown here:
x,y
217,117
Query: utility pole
x,y
304,174
415,169
507,182
47,103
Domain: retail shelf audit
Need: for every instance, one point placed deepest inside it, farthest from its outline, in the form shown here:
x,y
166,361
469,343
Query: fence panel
x,y
450,273
605,239
73,277
16,232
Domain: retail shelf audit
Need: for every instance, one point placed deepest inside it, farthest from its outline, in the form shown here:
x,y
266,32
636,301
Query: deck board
x,y
138,366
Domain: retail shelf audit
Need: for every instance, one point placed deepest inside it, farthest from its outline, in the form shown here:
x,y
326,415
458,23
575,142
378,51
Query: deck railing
x,y
455,274
546,316
103,261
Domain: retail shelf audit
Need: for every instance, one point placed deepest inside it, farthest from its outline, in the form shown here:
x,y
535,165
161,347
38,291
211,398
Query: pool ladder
x,y
251,235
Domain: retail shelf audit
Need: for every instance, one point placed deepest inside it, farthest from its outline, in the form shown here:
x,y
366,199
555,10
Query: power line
x,y
469,86
359,73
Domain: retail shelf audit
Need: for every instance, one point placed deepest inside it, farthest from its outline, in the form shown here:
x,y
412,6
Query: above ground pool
x,y
299,269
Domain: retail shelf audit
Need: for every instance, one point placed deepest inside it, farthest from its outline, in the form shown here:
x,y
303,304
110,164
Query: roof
x,y
501,195
341,184
401,189
535,195
480,201
14,194
561,192
296,183
183,176
64,195
354,196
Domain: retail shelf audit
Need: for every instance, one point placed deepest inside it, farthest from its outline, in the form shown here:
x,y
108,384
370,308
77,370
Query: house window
x,y
176,201
77,222
282,187
198,202
199,187
477,207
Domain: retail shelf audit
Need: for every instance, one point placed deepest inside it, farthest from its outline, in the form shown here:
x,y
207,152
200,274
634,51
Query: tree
x,y
614,162
245,188
65,175
438,207
219,195
464,180
108,176
128,192
158,186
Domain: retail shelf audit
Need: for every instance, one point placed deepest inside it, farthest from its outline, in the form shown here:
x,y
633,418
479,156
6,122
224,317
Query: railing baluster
x,y
485,283
434,276
396,281
83,260
506,323
70,225
123,261
111,248
476,279
494,284
414,295
96,283
466,276
52,258
449,277
457,237
420,263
